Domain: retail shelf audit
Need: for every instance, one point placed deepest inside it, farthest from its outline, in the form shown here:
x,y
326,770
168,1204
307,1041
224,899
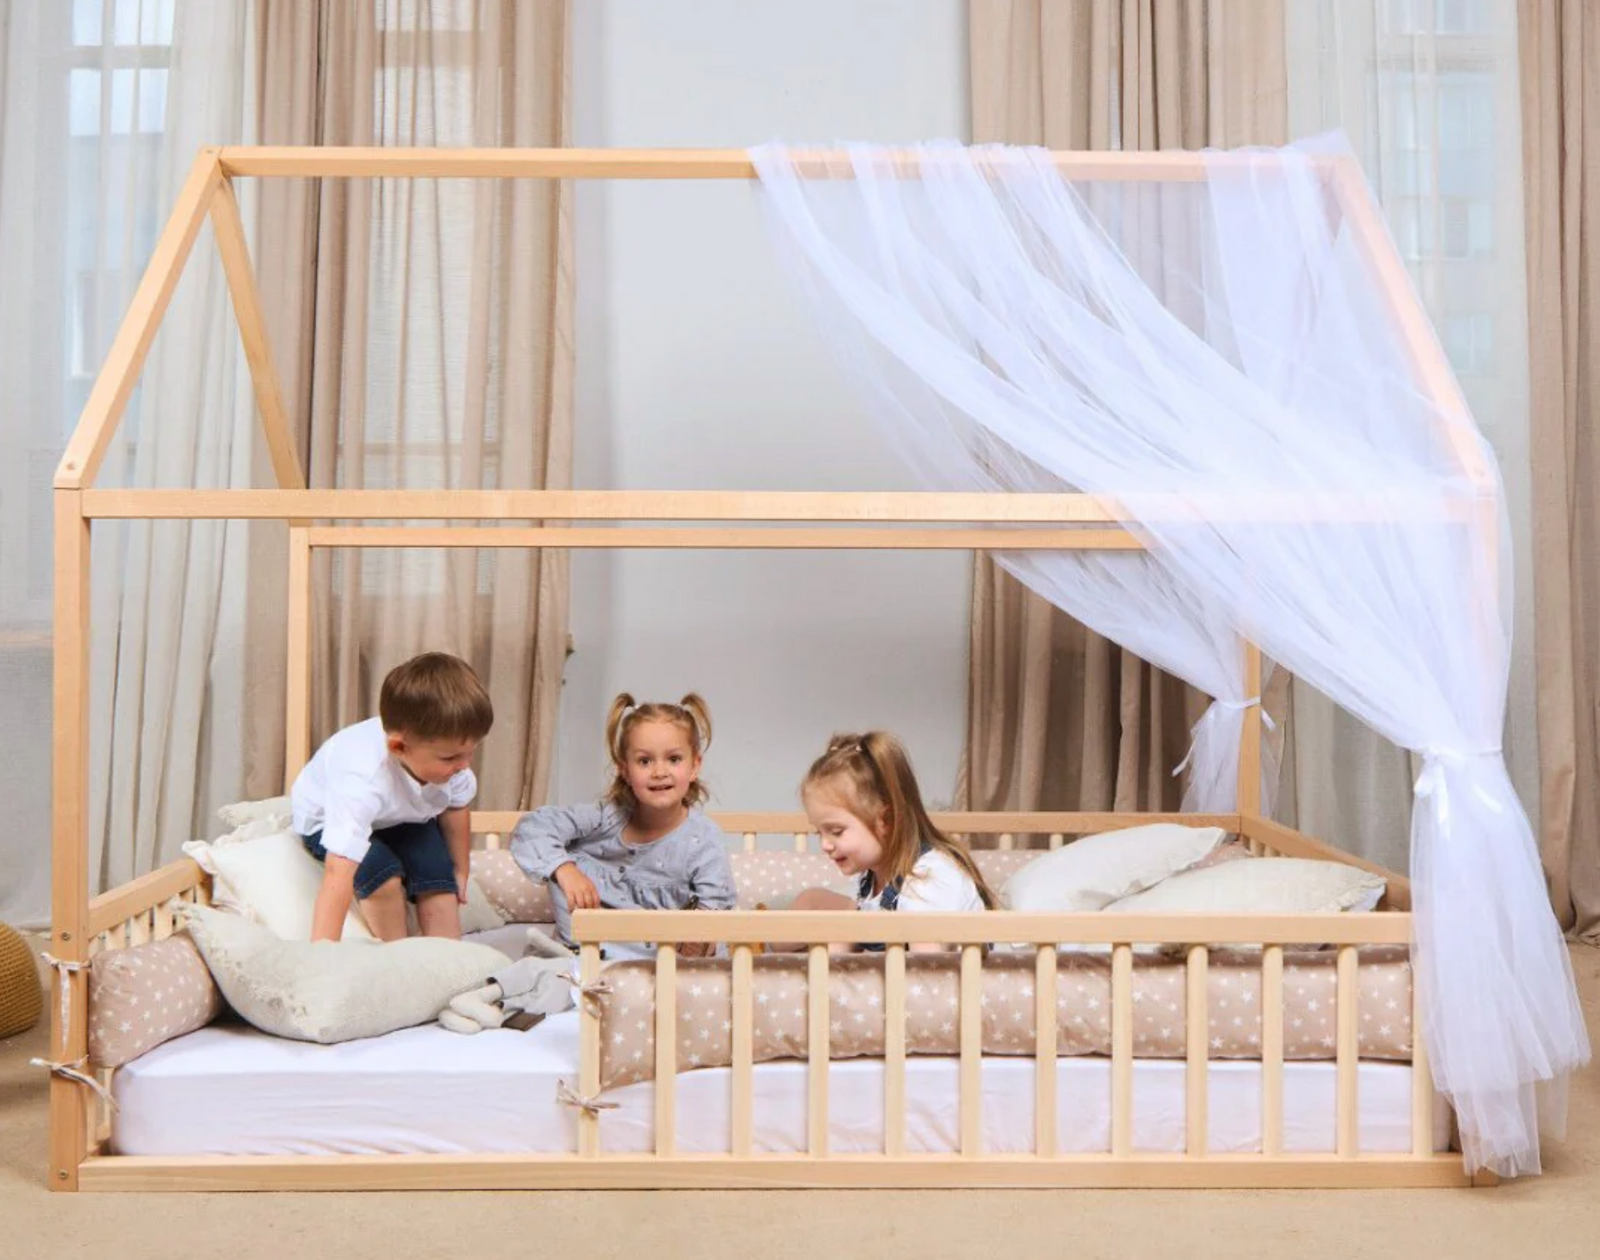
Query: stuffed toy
x,y
520,994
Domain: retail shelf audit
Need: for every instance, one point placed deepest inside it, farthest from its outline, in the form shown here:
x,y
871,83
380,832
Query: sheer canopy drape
x,y
1248,394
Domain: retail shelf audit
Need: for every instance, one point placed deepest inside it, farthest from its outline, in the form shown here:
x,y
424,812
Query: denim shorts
x,y
416,852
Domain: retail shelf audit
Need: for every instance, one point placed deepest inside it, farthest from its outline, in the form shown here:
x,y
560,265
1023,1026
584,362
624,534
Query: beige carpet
x,y
1554,1216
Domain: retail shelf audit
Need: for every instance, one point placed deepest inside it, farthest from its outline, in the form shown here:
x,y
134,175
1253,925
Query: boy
x,y
383,804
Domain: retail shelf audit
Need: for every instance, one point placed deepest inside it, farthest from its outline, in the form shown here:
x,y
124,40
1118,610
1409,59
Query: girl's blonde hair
x,y
872,778
690,713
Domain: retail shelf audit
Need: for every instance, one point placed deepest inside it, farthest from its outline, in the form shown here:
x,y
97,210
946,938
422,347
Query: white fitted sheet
x,y
230,1090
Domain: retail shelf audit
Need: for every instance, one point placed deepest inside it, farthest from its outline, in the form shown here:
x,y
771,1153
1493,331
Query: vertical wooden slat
x,y
1045,1045
1421,1077
297,711
971,1049
1198,1052
1249,783
69,875
802,841
1007,840
749,842
743,1049
894,1050
1057,840
1272,1050
163,921
817,1051
588,1051
493,842
1121,1050
1348,1053
666,1049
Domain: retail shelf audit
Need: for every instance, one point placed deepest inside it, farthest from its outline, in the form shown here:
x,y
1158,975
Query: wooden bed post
x,y
69,877
297,662
1249,794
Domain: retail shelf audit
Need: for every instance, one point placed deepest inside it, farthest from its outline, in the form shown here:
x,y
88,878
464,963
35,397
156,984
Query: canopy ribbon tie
x,y
1430,783
592,1106
1208,719
66,966
75,1072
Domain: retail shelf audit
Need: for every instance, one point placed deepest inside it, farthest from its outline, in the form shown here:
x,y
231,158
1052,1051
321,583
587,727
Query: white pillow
x,y
242,812
1091,873
1264,886
335,990
272,880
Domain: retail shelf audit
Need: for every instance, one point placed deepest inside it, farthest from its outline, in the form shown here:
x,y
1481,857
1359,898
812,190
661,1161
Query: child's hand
x,y
461,886
578,888
696,949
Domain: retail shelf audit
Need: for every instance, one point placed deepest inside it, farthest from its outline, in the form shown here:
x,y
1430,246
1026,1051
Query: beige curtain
x,y
1058,717
424,331
1560,54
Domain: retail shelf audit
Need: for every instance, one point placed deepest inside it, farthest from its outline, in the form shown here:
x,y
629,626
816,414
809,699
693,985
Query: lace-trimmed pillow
x,y
144,995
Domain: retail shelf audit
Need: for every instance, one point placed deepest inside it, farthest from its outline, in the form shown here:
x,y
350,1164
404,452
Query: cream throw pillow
x,y
331,991
271,879
1091,873
1264,886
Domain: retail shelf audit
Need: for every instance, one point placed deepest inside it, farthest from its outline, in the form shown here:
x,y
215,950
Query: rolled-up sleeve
x,y
462,789
353,805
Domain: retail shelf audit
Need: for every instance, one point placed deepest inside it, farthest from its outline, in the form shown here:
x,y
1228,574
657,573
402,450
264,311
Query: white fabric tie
x,y
1209,718
592,1106
1430,783
66,967
75,1072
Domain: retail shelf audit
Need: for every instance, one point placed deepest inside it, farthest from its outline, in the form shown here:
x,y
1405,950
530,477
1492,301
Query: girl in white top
x,y
863,801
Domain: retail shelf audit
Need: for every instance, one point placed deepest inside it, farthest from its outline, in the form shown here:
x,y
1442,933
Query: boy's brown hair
x,y
435,696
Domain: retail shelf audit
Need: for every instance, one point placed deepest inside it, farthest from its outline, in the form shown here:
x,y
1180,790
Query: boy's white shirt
x,y
355,786
935,883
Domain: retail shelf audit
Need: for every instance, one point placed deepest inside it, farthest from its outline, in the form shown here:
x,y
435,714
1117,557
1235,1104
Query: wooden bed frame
x,y
766,519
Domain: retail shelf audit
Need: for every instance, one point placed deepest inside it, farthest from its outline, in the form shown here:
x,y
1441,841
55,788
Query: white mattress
x,y
228,1089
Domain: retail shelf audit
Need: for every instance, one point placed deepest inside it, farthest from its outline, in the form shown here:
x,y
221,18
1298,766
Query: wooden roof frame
x,y
803,519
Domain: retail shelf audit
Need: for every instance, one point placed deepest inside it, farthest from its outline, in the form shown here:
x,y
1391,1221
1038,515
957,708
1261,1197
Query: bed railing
x,y
742,933
144,910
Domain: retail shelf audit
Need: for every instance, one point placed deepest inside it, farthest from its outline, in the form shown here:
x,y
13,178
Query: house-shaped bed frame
x,y
144,908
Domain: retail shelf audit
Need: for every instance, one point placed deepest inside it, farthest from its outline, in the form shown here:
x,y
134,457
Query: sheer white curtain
x,y
1019,328
105,104
1427,92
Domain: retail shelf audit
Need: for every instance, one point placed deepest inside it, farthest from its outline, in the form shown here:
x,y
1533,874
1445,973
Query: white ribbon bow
x,y
1431,783
66,967
1210,717
75,1072
592,1106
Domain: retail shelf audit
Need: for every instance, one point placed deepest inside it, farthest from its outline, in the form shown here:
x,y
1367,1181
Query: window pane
x,y
86,21
143,21
145,88
83,103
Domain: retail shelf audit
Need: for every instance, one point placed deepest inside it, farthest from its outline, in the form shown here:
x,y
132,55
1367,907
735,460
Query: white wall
x,y
699,368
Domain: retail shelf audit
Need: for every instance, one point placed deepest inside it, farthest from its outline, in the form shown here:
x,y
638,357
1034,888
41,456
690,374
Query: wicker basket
x,y
21,998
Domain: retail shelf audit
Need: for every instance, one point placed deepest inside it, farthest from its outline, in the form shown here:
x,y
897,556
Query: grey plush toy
x,y
520,994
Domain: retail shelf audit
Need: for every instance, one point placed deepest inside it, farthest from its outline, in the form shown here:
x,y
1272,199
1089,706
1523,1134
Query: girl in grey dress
x,y
645,845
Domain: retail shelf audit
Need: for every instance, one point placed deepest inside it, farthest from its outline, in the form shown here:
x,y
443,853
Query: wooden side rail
x,y
740,932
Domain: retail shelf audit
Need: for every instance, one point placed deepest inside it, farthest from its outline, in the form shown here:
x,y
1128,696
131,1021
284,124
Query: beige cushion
x,y
330,991
1091,873
1083,1008
262,871
773,877
1265,886
508,889
147,994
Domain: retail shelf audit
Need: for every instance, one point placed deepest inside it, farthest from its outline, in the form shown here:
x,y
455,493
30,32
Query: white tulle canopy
x,y
1231,360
